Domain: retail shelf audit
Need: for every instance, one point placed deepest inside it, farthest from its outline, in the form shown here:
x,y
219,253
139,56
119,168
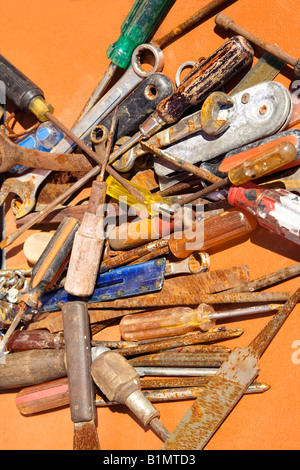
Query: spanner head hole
x,y
147,59
151,92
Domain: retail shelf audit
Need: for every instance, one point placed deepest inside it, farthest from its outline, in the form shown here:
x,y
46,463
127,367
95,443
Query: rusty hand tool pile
x,y
168,174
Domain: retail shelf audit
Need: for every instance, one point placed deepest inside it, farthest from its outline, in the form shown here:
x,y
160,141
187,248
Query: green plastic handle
x,y
135,30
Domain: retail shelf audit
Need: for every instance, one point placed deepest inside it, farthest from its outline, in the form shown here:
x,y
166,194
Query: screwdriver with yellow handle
x,y
44,274
263,162
180,320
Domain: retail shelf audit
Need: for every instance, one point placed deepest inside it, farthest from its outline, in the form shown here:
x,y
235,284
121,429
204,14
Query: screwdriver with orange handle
x,y
44,274
263,162
180,320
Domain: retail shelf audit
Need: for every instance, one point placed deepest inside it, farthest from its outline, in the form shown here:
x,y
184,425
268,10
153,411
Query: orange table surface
x,y
61,45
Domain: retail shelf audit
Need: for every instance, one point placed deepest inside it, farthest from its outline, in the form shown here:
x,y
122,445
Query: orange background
x,y
61,45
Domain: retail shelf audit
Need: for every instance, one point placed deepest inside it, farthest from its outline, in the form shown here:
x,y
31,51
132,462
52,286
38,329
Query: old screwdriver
x,y
262,163
45,272
120,382
29,97
141,22
135,30
228,23
220,67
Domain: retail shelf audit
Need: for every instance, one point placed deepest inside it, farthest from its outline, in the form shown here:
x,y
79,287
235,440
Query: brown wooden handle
x,y
22,369
214,72
78,357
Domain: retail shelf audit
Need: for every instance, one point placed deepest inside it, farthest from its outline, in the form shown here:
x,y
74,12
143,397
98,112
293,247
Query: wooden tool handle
x,y
228,60
88,246
22,369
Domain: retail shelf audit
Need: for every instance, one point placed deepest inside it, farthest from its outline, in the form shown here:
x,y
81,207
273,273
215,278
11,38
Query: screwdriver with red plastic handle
x,y
45,272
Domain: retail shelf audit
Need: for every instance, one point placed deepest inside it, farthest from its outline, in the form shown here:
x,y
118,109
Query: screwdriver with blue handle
x,y
44,274
137,27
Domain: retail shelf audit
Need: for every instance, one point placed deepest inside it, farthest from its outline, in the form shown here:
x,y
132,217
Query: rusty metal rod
x,y
188,24
184,340
177,359
228,23
189,168
268,280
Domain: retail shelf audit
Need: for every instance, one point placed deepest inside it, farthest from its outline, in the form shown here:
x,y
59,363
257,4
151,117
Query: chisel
x,y
226,388
29,97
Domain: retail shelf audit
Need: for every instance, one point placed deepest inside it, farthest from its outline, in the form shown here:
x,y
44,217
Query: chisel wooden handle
x,y
78,357
221,66
88,246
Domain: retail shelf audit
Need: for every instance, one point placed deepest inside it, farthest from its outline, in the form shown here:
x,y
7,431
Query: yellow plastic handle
x,y
118,192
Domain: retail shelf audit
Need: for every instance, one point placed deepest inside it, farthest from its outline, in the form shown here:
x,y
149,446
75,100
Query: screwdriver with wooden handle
x,y
44,274
89,240
29,97
76,322
215,71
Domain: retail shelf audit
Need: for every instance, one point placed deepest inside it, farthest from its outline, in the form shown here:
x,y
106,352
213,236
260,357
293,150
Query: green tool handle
x,y
135,30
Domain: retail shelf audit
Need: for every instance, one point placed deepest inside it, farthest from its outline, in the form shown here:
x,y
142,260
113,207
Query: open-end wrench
x,y
206,120
29,183
257,112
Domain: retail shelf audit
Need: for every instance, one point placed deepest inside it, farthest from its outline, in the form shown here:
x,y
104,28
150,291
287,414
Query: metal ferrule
x,y
141,407
152,125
